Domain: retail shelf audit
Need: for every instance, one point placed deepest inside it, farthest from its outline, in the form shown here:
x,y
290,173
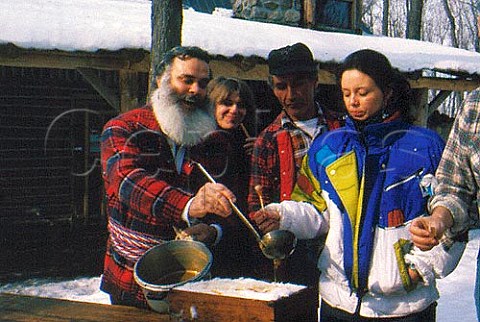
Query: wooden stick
x,y
258,190
244,129
234,207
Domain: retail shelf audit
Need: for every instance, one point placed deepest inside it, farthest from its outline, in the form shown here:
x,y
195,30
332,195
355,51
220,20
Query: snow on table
x,y
246,288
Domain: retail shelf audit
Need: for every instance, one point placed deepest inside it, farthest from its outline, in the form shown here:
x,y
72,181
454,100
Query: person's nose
x,y
234,108
353,100
291,92
196,89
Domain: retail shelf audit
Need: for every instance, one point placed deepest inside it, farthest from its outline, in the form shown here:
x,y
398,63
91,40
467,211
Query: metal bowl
x,y
168,265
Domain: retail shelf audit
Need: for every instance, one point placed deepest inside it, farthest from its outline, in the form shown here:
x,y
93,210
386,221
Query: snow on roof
x,y
91,25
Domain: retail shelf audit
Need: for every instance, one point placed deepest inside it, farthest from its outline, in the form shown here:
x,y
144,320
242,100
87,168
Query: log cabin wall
x,y
50,185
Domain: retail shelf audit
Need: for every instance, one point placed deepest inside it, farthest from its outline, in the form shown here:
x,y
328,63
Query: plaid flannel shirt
x,y
458,173
265,160
145,193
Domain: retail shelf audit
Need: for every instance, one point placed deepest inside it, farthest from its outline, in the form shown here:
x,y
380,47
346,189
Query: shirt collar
x,y
286,121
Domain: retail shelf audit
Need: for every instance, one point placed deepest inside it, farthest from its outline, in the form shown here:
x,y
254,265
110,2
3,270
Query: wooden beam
x,y
139,61
239,70
437,100
447,84
257,71
97,83
129,60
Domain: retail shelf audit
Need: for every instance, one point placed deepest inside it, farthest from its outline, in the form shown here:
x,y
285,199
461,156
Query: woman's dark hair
x,y
220,88
378,67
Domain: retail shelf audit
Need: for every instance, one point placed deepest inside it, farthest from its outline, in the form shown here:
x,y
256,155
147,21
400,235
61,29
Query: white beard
x,y
186,128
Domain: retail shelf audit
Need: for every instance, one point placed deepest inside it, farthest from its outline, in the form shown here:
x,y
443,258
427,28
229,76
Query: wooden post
x,y
86,161
419,109
357,15
128,82
309,20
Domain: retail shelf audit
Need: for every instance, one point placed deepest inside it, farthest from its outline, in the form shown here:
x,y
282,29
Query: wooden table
x,y
21,308
300,306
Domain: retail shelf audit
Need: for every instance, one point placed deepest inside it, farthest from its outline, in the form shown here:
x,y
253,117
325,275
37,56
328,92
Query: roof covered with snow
x,y
92,25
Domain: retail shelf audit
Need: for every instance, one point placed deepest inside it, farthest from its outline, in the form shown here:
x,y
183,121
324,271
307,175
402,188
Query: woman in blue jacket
x,y
361,186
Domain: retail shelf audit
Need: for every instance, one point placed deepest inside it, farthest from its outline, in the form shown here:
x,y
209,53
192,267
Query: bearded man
x,y
152,186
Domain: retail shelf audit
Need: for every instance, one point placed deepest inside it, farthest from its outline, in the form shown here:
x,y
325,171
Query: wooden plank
x,y
251,68
243,69
134,60
29,308
447,84
437,101
300,306
109,95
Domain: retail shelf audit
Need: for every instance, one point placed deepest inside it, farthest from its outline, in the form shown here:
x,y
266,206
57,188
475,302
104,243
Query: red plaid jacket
x,y
276,158
145,194
276,169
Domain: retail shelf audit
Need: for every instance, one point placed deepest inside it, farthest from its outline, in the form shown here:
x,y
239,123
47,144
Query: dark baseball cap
x,y
292,59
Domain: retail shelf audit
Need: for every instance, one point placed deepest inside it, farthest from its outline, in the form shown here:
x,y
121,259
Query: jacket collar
x,y
380,134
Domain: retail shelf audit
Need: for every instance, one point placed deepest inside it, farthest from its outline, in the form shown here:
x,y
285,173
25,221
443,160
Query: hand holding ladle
x,y
277,244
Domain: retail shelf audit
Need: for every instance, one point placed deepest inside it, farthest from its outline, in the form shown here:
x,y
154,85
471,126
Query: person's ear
x,y
158,81
387,96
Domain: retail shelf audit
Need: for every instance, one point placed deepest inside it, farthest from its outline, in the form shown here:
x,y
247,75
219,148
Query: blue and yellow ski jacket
x,y
365,188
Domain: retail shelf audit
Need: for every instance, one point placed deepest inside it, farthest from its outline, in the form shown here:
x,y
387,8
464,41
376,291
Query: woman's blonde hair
x,y
220,88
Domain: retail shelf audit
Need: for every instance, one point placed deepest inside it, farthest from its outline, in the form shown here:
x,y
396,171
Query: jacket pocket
x,y
388,272
403,198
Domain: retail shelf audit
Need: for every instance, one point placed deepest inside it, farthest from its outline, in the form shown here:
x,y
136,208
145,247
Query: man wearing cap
x,y
280,147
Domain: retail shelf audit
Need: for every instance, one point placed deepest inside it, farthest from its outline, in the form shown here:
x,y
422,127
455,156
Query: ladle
x,y
285,240
276,245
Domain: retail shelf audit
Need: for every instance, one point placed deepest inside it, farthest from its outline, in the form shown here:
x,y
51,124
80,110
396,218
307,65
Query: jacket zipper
x,y
416,174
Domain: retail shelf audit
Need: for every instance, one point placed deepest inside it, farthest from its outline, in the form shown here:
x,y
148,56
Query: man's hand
x,y
426,232
203,233
212,198
422,235
248,146
266,220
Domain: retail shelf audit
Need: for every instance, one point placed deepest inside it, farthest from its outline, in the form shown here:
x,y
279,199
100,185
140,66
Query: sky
x,y
90,25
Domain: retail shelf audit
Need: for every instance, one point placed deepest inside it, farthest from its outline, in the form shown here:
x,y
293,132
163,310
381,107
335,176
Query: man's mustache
x,y
192,99
295,101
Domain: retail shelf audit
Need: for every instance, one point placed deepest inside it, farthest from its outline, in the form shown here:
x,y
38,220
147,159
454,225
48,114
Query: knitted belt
x,y
128,243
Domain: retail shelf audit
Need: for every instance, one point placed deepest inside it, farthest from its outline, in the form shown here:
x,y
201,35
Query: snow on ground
x,y
83,289
456,291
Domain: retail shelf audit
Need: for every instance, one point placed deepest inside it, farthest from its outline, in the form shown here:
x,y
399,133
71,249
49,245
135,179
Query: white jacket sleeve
x,y
301,218
438,262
